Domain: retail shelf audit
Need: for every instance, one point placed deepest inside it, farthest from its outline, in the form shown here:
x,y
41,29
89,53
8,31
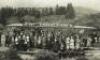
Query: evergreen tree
x,y
51,12
56,12
5,13
70,12
45,11
60,10
20,12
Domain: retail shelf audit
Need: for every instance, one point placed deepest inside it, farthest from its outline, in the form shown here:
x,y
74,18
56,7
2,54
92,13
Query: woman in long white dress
x,y
78,42
72,43
67,42
89,40
16,40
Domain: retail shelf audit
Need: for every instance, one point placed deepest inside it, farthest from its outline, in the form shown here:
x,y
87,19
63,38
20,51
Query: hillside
x,y
84,11
90,20
84,16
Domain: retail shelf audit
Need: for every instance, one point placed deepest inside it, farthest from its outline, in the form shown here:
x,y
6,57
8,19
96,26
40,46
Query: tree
x,y
45,11
56,12
37,14
20,12
51,12
34,12
60,10
5,13
70,12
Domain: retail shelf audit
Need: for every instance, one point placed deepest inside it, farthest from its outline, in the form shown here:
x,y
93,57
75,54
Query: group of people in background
x,y
50,39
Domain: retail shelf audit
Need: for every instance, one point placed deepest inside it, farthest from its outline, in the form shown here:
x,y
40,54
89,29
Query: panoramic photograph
x,y
49,30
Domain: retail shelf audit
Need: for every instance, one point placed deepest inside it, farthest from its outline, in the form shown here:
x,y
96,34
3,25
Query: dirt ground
x,y
93,54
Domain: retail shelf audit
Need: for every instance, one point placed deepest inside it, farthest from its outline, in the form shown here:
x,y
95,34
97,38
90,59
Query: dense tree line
x,y
7,12
70,14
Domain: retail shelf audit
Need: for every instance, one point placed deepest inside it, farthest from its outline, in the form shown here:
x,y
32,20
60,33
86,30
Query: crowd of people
x,y
50,39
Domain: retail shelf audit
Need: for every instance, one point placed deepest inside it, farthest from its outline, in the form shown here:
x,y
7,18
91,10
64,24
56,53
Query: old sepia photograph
x,y
49,29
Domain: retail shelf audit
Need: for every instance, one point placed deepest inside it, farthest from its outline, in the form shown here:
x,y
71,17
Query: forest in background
x,y
59,14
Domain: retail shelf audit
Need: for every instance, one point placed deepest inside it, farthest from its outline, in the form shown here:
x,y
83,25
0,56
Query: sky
x,y
93,4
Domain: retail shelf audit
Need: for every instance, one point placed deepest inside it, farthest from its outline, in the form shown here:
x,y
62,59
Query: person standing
x,y
72,43
67,42
78,42
89,40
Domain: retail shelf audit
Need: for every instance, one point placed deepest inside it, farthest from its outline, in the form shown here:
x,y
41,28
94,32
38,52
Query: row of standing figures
x,y
48,40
